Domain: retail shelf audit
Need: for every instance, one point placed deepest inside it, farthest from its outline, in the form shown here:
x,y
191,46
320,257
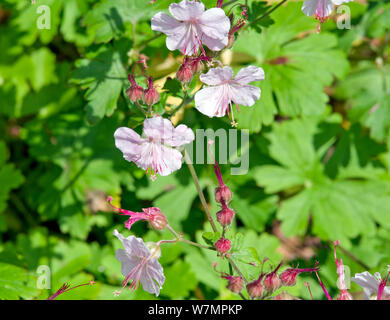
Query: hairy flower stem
x,y
200,192
181,239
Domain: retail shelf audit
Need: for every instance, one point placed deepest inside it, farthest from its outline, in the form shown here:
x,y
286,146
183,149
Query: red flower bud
x,y
157,219
289,276
223,194
135,91
271,282
184,74
223,245
235,284
196,65
255,289
151,96
225,216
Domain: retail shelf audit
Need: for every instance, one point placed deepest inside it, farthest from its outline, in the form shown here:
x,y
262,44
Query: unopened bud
x,y
271,282
223,194
225,216
184,74
135,91
255,289
223,245
196,66
151,96
284,296
289,276
235,284
156,218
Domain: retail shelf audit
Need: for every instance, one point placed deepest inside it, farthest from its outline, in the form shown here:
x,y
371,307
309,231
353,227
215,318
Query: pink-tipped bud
x,y
223,245
255,289
225,216
184,74
156,218
223,194
289,276
135,91
284,296
151,96
235,284
272,281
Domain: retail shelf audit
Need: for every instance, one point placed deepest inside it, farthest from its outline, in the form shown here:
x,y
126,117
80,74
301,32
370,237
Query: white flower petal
x,y
245,95
213,28
133,246
212,101
158,128
183,135
368,282
186,10
249,74
309,7
129,142
166,24
153,278
127,261
338,2
217,76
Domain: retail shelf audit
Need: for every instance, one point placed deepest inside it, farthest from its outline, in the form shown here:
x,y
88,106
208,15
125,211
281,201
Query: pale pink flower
x,y
321,9
139,264
370,284
156,152
223,89
192,26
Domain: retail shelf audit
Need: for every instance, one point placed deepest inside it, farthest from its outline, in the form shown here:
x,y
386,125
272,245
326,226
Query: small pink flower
x,y
153,215
139,264
223,89
156,152
321,9
192,26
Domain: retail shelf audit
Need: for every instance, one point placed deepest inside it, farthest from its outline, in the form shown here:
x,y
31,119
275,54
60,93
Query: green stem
x,y
181,239
199,189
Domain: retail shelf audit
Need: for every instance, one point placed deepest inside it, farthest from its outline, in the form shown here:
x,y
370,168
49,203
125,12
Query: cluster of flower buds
x,y
190,67
225,216
136,93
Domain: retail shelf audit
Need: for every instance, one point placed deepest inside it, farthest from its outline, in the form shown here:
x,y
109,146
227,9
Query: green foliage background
x,y
319,148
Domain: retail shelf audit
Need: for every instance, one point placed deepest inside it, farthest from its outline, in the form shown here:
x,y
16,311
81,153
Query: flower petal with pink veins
x,y
249,74
129,142
217,76
318,8
244,95
214,24
137,264
187,10
212,101
166,24
160,159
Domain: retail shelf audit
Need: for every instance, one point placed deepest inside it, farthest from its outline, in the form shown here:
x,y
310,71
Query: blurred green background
x,y
319,147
